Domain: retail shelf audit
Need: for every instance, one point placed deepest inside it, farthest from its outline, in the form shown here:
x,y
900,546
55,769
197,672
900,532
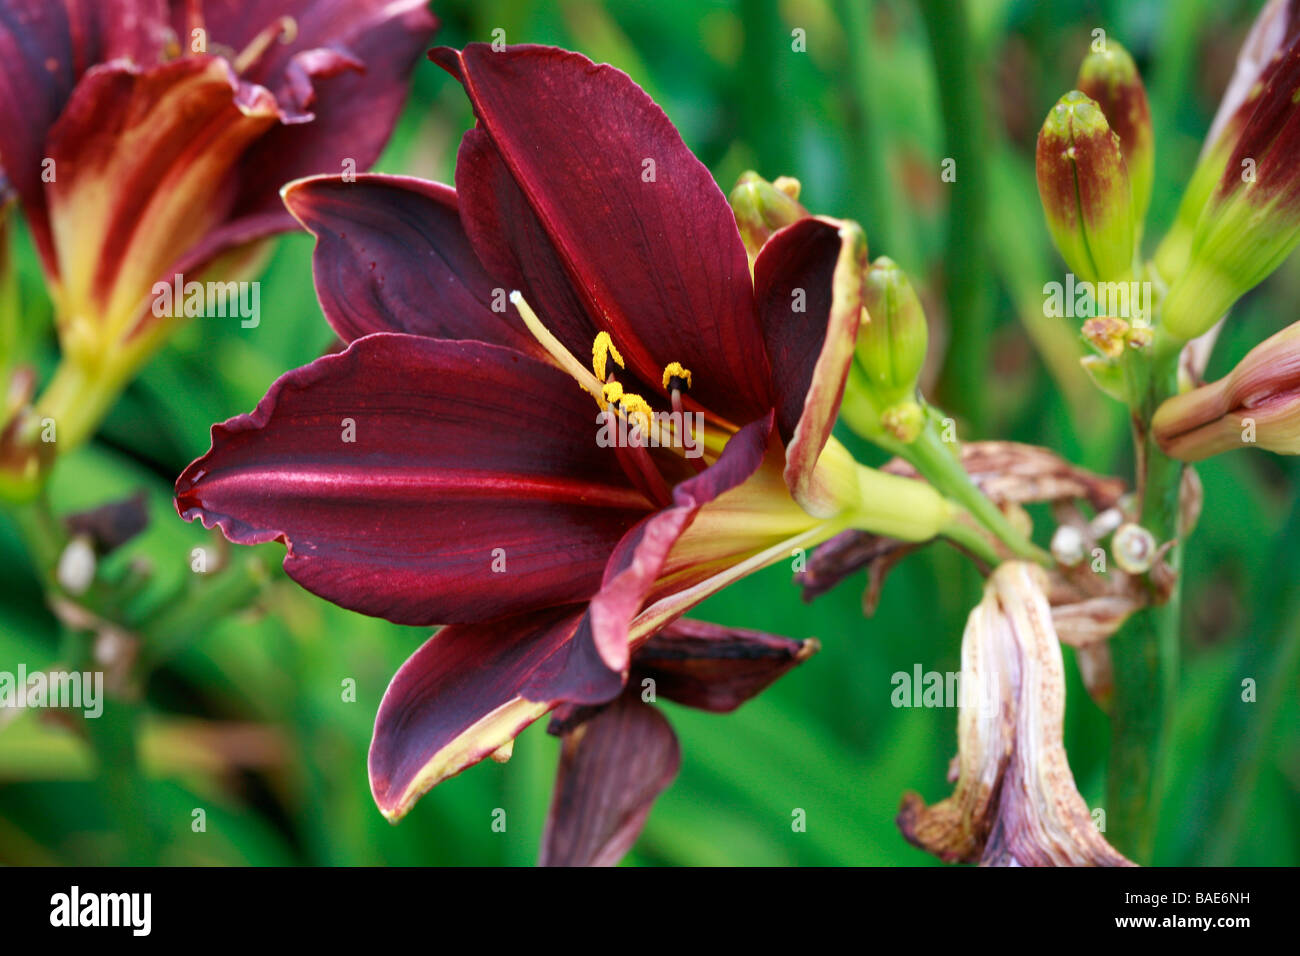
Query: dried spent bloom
x,y
1016,803
1083,183
1257,404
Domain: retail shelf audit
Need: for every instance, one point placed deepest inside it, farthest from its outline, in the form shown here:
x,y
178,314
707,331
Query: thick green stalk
x,y
1145,651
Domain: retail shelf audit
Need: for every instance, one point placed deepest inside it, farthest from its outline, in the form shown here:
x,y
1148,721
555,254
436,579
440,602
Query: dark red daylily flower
x,y
446,469
150,137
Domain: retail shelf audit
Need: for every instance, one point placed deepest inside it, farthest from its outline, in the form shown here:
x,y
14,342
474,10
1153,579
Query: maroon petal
x,y
808,286
643,232
473,488
349,64
45,47
635,566
456,700
391,256
713,667
612,767
512,244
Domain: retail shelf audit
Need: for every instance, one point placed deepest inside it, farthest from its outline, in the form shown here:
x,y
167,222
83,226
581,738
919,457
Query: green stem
x,y
973,541
872,184
1145,651
113,736
77,399
42,535
937,463
193,609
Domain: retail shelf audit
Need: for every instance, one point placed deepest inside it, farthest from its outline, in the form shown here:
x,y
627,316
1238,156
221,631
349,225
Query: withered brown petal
x,y
1016,803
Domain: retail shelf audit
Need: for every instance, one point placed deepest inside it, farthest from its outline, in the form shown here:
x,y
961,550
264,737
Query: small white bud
x,y
76,568
1134,548
1068,545
1105,523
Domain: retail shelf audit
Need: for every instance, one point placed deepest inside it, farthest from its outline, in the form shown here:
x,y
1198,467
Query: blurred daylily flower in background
x,y
148,138
446,469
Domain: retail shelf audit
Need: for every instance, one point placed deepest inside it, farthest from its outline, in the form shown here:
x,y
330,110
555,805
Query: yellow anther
x,y
636,407
601,349
630,405
613,394
677,370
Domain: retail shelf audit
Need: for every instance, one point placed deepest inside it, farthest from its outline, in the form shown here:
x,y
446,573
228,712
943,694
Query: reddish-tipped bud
x,y
1251,221
1257,403
1275,29
1112,80
1084,185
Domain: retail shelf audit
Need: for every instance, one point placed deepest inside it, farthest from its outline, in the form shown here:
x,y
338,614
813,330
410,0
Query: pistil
x,y
285,29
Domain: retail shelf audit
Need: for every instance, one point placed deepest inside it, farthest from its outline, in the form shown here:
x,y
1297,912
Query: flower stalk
x,y
1145,651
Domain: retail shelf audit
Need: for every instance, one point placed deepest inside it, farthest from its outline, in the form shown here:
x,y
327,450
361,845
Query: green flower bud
x,y
893,336
1112,80
1084,185
762,208
1251,220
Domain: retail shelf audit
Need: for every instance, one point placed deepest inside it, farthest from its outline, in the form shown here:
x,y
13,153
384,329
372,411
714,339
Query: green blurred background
x,y
243,714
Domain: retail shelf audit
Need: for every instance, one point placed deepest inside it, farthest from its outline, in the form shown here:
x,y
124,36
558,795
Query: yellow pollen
x,y
636,407
607,394
677,370
602,349
611,394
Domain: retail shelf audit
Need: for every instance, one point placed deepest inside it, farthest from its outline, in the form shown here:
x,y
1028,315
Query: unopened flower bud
x,y
1134,548
76,568
1251,220
1068,545
1105,522
1260,55
1256,404
762,208
893,336
904,421
1084,185
1112,80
